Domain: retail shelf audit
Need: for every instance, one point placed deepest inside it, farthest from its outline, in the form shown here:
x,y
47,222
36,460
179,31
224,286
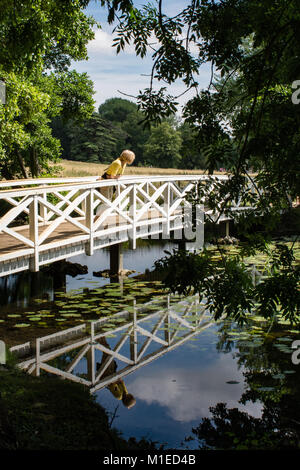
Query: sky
x,y
114,74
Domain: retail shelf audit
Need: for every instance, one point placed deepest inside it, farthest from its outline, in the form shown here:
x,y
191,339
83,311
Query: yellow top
x,y
118,389
116,168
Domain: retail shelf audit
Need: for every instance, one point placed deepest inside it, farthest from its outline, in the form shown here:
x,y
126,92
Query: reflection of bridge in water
x,y
154,326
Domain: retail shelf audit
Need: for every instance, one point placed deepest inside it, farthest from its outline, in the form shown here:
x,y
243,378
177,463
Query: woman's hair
x,y
128,400
128,156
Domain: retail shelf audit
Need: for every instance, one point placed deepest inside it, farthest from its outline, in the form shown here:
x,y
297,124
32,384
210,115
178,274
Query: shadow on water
x,y
18,289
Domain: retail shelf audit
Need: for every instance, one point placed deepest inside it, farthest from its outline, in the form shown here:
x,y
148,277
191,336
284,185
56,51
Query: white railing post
x,y
89,221
118,191
133,335
34,233
83,204
90,356
154,227
43,209
167,204
167,323
37,357
132,212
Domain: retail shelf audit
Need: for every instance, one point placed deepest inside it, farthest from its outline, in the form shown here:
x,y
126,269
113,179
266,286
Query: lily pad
x,y
278,376
266,389
70,315
250,344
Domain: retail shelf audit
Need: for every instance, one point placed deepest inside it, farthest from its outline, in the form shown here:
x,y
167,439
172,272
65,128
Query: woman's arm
x,y
109,177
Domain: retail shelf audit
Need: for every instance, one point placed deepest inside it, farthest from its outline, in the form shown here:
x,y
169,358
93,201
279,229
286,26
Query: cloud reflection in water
x,y
187,393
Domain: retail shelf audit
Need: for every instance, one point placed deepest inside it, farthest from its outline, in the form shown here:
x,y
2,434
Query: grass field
x,y
73,169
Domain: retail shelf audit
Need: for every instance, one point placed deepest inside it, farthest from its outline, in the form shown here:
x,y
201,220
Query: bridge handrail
x,y
35,184
48,218
43,181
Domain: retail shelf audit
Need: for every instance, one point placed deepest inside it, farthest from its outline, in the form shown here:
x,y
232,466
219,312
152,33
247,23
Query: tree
x,y
237,430
24,102
163,147
136,135
94,141
124,115
247,120
116,110
38,42
37,35
192,148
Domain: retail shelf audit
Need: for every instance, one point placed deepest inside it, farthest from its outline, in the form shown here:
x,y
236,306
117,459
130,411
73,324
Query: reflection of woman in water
x,y
117,388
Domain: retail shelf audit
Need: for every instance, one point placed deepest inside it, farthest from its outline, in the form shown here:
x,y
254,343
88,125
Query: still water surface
x,y
247,369
176,391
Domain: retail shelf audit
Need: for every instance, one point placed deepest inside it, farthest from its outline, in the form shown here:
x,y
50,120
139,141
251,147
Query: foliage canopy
x,y
38,42
247,122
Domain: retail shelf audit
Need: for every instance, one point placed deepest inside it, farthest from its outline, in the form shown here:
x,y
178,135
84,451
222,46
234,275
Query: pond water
x,y
176,391
242,368
250,370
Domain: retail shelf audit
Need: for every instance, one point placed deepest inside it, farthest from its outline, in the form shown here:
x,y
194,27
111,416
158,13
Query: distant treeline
x,y
117,125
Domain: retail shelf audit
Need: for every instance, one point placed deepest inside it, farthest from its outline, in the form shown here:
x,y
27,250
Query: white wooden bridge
x,y
50,219
142,336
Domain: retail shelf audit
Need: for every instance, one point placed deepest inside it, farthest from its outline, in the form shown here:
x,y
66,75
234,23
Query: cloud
x,y
103,44
110,84
187,395
125,72
128,74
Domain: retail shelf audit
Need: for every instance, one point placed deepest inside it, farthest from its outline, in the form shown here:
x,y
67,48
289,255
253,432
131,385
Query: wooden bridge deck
x,y
10,245
65,232
65,241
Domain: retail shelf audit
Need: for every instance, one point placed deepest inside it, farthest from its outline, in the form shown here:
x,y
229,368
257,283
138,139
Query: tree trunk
x,y
34,163
22,165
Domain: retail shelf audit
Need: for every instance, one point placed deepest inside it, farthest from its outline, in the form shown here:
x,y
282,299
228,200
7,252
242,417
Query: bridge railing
x,y
36,213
